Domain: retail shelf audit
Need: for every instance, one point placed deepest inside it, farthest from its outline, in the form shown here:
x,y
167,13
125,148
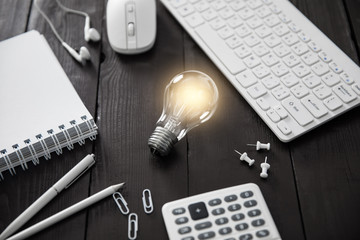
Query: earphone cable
x,y
66,9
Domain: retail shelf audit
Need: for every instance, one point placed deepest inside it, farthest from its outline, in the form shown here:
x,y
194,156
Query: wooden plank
x,y
326,160
13,17
129,104
352,8
19,192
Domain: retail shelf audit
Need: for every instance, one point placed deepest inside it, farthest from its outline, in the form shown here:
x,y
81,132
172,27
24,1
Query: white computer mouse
x,y
131,25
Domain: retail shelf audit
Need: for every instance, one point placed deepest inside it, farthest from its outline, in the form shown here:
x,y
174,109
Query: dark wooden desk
x,y
313,190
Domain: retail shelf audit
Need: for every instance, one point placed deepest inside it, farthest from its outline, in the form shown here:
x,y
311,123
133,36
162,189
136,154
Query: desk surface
x,y
313,190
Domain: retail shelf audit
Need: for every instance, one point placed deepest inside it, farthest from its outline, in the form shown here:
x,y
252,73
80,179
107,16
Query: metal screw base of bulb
x,y
161,141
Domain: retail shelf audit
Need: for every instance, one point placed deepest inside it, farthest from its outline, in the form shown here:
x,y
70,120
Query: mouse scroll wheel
x,y
131,29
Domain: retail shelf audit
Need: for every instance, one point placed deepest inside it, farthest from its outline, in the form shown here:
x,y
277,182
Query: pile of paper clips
x,y
133,218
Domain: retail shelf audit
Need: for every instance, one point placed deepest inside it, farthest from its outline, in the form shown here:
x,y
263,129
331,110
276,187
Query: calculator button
x,y
234,207
206,235
198,211
181,220
188,238
230,198
215,202
254,213
237,217
218,211
258,222
241,226
250,203
246,237
221,221
184,230
246,194
178,211
262,233
230,239
224,231
203,225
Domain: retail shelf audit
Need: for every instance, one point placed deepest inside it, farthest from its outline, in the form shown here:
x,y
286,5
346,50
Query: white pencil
x,y
66,212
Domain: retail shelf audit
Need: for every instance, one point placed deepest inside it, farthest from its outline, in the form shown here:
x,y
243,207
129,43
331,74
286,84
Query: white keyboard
x,y
289,72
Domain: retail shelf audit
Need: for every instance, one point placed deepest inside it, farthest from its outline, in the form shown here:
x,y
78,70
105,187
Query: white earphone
x,y
89,33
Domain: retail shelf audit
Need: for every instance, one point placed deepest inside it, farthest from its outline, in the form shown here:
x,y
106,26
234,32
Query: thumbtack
x,y
264,168
245,157
260,145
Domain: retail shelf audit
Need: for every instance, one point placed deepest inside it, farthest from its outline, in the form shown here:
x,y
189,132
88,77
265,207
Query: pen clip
x,y
119,199
80,174
147,201
132,226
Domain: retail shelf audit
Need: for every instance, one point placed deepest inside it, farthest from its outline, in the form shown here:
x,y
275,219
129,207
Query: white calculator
x,y
234,213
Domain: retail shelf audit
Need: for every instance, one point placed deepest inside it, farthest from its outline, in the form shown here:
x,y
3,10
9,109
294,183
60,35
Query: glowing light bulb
x,y
189,100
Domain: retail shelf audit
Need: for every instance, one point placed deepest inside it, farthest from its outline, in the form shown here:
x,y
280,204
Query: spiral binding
x,y
43,147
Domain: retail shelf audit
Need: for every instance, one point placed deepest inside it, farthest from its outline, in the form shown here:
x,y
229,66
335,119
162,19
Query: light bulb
x,y
189,100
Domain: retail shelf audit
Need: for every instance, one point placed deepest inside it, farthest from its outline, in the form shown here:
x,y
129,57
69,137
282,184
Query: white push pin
x,y
260,145
244,157
264,168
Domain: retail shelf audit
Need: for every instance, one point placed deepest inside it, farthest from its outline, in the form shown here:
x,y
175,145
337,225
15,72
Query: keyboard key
x,y
217,23
261,71
237,5
284,18
194,20
300,90
301,70
281,50
198,211
257,91
241,226
224,231
262,233
178,211
314,47
293,27
270,82
260,50
290,39
258,222
186,10
345,93
273,115
279,69
234,42
289,80
284,128
203,225
250,203
225,55
214,202
178,3
275,9
218,211
281,30
252,61
206,235
291,60
311,81
243,31
246,13
310,58
209,14
297,111
246,237
263,11
281,92
272,40
320,68
346,78
300,48
322,91
252,40
218,4
246,194
226,13
202,6
246,78
254,22
225,32
263,104
281,111
304,37
254,213
221,221
332,103
238,217
315,106
263,31
181,220
333,66
184,230
235,21
356,88
270,59
234,207
272,20
324,56
230,198
253,4
243,51
331,79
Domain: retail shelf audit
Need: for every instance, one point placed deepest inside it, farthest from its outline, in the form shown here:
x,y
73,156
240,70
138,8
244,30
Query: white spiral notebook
x,y
41,112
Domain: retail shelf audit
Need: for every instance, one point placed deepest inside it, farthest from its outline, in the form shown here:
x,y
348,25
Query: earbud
x,y
80,56
90,33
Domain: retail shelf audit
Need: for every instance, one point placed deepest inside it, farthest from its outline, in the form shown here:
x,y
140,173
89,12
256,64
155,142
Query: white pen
x,y
60,185
66,212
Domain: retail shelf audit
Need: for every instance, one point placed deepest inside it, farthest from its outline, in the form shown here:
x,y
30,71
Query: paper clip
x,y
147,201
119,199
132,226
